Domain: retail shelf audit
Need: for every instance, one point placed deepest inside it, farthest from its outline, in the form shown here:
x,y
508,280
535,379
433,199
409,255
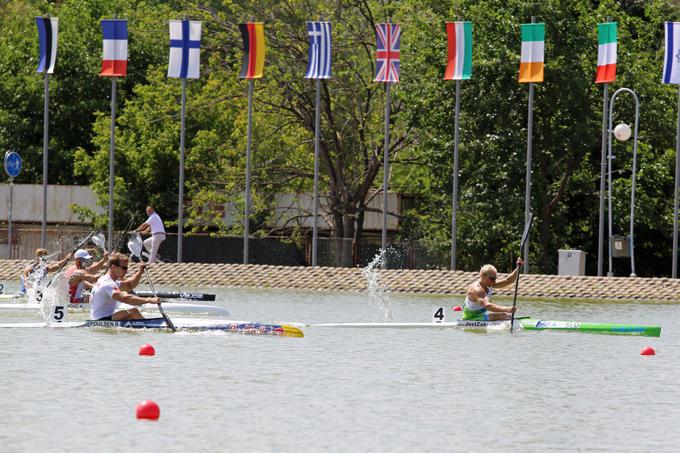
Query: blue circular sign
x,y
12,163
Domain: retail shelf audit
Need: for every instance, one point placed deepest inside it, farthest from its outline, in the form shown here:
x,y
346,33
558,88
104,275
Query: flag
x,y
185,48
319,66
114,63
47,34
671,56
459,36
388,37
533,47
606,52
253,50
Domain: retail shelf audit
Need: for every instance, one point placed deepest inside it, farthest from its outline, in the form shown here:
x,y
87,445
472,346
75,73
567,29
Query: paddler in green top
x,y
478,305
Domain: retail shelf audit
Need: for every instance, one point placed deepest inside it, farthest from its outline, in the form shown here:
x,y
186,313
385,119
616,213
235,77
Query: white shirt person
x,y
154,227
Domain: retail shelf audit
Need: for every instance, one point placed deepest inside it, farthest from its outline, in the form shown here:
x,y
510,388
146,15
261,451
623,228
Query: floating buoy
x,y
148,410
648,350
147,349
456,308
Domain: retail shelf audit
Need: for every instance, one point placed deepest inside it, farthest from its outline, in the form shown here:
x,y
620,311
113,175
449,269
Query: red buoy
x,y
456,308
148,410
648,350
147,349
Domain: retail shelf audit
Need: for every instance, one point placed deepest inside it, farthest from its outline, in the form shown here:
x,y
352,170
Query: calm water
x,y
343,389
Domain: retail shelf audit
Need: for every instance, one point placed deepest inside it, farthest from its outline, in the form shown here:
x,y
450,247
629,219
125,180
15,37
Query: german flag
x,y
253,50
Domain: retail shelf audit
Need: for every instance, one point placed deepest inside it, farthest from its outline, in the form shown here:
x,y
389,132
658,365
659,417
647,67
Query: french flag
x,y
114,63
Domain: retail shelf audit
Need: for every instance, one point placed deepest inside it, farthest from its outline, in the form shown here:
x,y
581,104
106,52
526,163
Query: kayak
x,y
169,307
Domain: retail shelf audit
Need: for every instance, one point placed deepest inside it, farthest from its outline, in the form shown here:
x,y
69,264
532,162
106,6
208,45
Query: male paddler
x,y
82,274
478,305
111,288
39,269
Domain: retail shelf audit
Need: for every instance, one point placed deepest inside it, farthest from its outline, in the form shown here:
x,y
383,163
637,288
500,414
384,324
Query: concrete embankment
x,y
436,282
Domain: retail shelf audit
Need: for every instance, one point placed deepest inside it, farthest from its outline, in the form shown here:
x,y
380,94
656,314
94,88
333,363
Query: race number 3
x,y
439,315
58,313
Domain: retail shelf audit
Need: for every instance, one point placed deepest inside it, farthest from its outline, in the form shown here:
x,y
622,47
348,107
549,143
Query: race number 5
x,y
439,315
58,313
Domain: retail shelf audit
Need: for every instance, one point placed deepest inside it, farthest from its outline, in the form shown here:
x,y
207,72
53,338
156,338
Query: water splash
x,y
378,294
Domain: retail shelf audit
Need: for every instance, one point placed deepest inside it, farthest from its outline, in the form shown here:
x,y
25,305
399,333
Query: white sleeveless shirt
x,y
474,305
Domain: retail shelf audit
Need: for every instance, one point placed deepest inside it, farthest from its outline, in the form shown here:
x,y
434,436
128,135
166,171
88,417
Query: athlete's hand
x,y
155,300
520,262
512,310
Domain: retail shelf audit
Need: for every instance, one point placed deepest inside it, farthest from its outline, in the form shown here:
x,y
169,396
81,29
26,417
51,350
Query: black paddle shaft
x,y
525,236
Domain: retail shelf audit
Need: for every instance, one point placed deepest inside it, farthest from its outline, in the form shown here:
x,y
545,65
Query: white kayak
x,y
168,307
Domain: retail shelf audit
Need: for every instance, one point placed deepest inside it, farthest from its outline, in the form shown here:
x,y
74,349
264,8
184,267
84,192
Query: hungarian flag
x,y
671,56
115,32
533,49
319,66
606,52
388,54
47,34
459,66
253,50
185,48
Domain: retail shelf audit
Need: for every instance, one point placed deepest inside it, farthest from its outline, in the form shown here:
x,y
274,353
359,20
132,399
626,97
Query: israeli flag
x,y
185,47
48,28
671,58
319,66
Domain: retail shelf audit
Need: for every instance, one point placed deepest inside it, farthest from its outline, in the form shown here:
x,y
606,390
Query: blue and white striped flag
x,y
671,58
185,48
48,28
319,66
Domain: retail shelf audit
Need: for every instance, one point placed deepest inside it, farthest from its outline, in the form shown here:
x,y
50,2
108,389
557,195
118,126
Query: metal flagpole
x,y
675,190
246,220
9,219
527,192
112,151
46,119
386,168
603,170
180,207
317,124
454,195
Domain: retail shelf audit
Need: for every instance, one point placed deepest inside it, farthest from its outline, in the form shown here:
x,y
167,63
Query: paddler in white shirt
x,y
153,226
39,269
111,288
478,305
82,274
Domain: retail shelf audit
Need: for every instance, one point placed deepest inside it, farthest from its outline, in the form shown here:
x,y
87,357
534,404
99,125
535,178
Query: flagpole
x,y
317,124
603,171
677,195
180,207
112,150
454,195
246,219
527,193
386,169
46,120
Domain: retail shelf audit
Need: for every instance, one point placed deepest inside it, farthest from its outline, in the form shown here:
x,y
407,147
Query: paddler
x,y
111,288
39,268
82,274
478,305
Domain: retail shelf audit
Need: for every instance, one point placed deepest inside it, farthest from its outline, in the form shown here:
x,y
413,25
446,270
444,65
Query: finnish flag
x,y
48,28
319,66
185,47
671,58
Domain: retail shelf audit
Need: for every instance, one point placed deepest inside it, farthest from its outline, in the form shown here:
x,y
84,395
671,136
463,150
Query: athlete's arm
x,y
131,299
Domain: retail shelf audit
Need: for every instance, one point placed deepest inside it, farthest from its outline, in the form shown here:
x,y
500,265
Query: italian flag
x,y
606,52
533,47
459,66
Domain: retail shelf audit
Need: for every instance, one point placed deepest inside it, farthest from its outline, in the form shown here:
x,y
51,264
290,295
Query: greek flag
x,y
319,66
185,43
671,58
47,33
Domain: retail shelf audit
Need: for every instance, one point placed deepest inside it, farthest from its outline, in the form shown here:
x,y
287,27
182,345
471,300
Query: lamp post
x,y
622,132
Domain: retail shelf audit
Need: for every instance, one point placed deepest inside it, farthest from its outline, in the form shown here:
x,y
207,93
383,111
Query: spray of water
x,y
378,294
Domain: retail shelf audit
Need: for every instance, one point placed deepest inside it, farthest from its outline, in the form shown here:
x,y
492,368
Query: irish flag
x,y
533,46
606,52
459,66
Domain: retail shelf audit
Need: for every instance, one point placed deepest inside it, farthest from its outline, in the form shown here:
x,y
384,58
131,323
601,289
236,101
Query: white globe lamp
x,y
622,132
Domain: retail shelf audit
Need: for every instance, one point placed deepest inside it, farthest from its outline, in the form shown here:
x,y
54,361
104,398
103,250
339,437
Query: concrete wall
x,y
27,204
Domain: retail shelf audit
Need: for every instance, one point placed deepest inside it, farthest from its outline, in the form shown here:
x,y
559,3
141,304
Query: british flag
x,y
388,37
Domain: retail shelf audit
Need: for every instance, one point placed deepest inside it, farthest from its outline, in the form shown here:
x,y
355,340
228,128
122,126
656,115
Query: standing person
x,y
111,288
39,269
478,305
81,274
153,226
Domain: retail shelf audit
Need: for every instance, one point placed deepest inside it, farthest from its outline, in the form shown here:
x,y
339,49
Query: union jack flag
x,y
388,37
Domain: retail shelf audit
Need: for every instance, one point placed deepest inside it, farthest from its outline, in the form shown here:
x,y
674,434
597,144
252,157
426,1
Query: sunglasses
x,y
122,267
493,279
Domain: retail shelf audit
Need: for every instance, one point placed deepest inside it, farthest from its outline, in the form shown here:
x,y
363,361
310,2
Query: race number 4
x,y
439,315
58,313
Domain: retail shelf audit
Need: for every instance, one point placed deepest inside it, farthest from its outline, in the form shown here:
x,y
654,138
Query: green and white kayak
x,y
591,327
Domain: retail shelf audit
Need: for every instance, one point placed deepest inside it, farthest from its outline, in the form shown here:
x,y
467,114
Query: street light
x,y
622,132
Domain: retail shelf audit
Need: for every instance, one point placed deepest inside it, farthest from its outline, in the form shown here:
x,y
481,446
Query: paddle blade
x,y
135,245
99,240
527,228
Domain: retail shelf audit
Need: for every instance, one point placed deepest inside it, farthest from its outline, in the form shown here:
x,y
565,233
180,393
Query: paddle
x,y
525,235
39,294
135,245
99,240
